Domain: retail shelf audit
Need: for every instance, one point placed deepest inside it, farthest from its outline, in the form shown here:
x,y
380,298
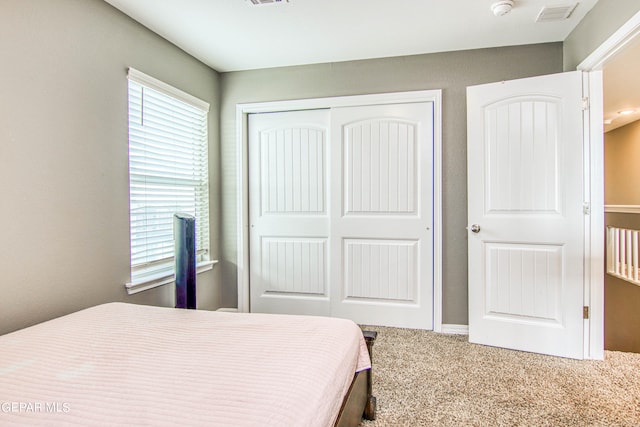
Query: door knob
x,y
475,228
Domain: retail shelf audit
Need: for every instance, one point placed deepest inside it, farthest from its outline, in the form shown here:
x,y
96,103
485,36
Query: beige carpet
x,y
427,379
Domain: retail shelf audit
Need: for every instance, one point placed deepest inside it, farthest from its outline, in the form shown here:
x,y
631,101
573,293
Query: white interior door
x,y
341,213
382,214
526,216
289,220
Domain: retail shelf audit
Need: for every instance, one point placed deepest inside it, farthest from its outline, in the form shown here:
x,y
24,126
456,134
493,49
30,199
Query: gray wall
x,y
600,23
621,160
64,156
63,150
452,72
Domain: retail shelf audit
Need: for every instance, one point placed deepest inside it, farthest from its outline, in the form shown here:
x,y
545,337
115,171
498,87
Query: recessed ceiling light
x,y
627,112
608,121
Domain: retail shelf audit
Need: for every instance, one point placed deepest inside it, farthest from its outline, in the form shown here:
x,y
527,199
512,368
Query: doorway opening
x,y
622,196
611,323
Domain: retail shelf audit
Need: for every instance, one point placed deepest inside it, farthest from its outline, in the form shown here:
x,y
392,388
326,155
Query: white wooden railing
x,y
622,253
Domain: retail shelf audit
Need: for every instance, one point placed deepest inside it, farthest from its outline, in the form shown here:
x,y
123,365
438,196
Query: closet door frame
x,y
242,175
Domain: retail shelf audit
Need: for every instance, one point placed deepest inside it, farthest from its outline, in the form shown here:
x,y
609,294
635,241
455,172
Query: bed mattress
x,y
125,364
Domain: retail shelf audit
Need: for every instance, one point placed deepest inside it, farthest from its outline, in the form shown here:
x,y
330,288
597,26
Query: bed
x,y
126,364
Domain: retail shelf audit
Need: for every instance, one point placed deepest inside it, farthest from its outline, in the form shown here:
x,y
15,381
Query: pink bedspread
x,y
124,364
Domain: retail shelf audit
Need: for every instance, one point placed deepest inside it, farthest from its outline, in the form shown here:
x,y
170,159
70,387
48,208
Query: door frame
x,y
594,183
242,175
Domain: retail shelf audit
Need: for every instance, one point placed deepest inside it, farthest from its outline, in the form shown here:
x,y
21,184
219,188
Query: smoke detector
x,y
556,12
502,7
257,2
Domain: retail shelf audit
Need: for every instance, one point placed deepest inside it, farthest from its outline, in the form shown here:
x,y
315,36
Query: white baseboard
x,y
228,310
455,329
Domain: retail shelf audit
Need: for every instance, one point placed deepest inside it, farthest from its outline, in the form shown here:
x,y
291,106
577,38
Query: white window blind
x,y
168,173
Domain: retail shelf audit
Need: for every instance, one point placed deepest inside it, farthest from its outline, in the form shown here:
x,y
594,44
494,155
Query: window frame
x,y
161,272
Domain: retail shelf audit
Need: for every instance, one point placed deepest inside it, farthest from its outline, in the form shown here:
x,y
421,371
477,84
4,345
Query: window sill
x,y
134,288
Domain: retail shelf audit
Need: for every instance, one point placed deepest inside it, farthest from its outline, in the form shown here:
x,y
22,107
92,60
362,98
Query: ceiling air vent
x,y
556,12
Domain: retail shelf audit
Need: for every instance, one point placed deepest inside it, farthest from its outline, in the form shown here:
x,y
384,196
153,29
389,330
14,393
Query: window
x,y
168,173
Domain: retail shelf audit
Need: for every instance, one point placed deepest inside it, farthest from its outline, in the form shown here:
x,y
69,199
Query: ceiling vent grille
x,y
556,12
257,2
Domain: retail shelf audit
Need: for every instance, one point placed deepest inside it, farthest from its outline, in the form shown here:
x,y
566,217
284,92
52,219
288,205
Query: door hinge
x,y
586,208
585,103
585,312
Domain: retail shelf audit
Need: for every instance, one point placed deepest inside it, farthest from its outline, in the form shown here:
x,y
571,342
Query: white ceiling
x,y
231,35
622,87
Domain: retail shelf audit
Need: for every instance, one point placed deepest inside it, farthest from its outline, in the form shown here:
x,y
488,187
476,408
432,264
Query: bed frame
x,y
359,402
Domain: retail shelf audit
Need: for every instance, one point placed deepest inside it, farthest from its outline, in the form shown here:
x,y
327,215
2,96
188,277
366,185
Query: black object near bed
x,y
184,235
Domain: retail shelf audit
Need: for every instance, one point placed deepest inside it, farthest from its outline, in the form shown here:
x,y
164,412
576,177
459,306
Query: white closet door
x,y
382,214
289,221
341,213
